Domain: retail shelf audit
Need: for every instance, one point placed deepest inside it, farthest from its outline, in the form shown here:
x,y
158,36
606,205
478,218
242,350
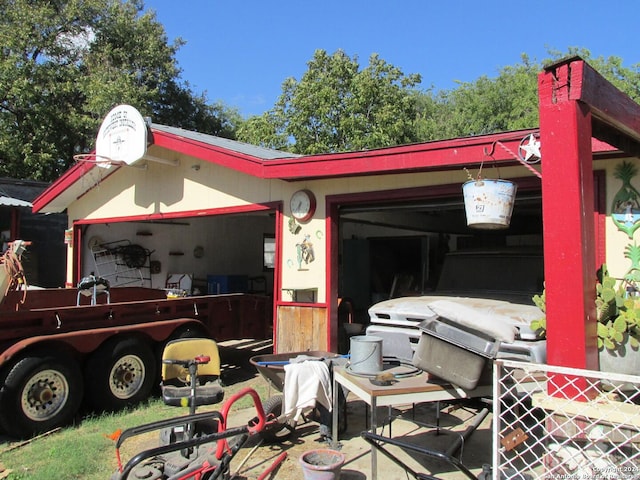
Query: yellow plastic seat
x,y
176,380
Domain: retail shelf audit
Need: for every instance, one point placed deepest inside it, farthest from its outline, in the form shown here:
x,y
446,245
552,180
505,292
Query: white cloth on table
x,y
306,383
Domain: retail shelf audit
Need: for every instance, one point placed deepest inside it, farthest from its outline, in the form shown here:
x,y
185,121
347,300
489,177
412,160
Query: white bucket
x,y
366,354
489,203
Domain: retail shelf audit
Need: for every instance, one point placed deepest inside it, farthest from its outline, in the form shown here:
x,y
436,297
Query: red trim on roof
x,y
67,180
444,154
437,155
211,153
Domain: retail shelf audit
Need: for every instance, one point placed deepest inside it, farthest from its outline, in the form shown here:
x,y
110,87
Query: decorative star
x,y
531,148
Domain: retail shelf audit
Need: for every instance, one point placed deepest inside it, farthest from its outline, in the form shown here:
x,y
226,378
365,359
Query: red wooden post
x,y
567,209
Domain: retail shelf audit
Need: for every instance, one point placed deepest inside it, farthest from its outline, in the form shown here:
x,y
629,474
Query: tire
x,y
190,331
184,331
120,373
280,431
40,393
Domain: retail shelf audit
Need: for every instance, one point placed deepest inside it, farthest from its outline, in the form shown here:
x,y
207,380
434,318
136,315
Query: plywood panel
x,y
301,328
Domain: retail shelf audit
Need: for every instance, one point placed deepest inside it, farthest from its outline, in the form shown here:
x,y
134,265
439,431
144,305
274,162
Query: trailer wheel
x,y
190,331
120,373
280,431
40,393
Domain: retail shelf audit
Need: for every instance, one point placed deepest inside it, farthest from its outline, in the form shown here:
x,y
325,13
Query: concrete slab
x,y
415,425
410,423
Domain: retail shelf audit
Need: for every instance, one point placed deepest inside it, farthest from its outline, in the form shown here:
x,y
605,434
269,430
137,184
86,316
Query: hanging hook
x,y
489,153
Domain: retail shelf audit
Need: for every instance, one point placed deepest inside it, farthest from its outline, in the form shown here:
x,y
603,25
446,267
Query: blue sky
x,y
240,52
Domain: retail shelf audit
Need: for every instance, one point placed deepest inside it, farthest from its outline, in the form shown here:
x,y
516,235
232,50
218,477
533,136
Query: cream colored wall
x,y
313,275
161,189
194,185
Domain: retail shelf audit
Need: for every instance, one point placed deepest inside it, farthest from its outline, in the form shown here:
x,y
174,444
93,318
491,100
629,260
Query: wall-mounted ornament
x,y
68,236
155,267
529,150
632,277
625,209
305,253
293,226
303,205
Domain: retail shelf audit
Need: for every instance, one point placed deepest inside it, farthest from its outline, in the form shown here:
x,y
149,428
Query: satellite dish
x,y
122,137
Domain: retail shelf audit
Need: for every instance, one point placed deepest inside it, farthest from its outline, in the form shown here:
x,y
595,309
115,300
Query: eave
x,y
436,155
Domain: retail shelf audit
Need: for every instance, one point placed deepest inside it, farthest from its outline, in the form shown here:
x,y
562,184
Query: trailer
x,y
98,347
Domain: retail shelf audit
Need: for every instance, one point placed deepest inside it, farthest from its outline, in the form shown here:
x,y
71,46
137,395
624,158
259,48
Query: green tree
x,y
510,100
64,64
488,105
336,106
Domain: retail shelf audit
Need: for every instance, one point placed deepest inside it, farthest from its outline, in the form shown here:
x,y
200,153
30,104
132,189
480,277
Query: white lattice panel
x,y
560,423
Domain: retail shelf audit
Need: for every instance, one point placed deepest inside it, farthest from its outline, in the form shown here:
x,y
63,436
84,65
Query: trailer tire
x,y
120,373
280,431
40,393
190,331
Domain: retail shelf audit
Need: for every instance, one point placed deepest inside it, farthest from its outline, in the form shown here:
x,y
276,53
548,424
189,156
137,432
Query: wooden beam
x,y
606,102
567,205
603,410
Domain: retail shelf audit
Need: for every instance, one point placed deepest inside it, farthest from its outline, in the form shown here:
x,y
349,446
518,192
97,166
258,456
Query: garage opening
x,y
226,254
397,248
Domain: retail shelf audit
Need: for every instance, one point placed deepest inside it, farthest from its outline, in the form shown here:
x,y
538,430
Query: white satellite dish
x,y
122,137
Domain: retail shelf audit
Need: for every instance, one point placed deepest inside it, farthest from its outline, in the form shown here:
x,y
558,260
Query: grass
x,y
85,451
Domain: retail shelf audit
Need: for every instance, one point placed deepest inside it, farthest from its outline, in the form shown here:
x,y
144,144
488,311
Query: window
x,y
269,252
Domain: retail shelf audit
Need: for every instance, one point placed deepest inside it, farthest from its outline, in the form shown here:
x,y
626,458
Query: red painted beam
x,y
214,154
606,102
449,154
571,95
440,155
568,218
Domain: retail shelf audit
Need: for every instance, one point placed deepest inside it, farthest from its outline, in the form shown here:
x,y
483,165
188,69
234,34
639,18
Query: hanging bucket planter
x,y
488,204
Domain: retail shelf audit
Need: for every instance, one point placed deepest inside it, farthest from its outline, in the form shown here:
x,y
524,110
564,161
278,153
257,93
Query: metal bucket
x,y
322,464
366,354
489,203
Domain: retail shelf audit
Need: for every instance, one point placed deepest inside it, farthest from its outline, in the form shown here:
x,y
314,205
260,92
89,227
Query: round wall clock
x,y
303,205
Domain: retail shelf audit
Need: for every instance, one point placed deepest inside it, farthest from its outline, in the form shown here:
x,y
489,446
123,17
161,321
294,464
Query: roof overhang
x,y
13,202
74,183
272,164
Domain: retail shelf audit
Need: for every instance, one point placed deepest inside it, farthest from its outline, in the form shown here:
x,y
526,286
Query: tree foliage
x,y
65,64
337,106
507,102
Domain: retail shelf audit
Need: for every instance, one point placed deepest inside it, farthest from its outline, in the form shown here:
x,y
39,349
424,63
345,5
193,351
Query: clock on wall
x,y
303,205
